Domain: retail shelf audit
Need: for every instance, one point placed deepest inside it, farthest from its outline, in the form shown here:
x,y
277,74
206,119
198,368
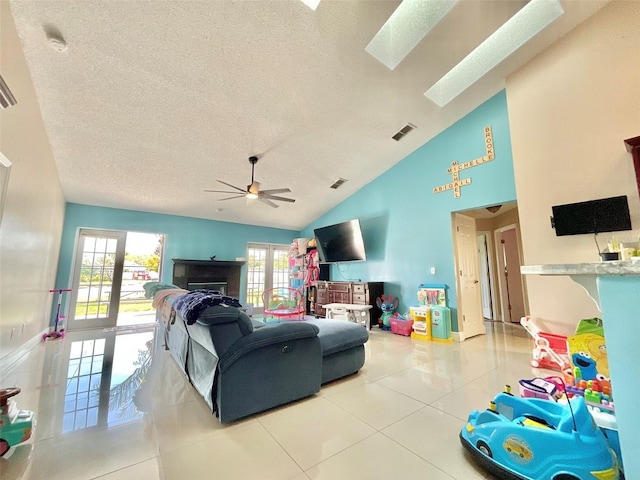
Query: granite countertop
x,y
621,267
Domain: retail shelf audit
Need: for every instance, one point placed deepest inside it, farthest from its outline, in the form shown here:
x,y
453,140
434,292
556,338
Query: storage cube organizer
x,y
401,326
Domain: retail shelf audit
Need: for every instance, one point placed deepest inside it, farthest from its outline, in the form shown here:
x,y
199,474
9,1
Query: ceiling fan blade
x,y
221,191
273,197
268,202
233,186
276,190
229,198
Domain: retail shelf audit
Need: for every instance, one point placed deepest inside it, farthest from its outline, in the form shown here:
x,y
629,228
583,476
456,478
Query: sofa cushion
x,y
338,335
226,325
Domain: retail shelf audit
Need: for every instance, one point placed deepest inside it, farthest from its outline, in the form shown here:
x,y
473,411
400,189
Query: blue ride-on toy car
x,y
536,439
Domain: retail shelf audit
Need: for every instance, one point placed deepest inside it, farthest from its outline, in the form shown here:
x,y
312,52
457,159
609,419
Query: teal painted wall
x,y
406,227
186,237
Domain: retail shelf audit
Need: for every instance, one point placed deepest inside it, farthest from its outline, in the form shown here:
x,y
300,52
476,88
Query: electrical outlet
x,y
433,270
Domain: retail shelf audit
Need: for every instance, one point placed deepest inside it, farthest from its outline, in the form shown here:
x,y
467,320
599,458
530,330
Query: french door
x,y
97,279
267,267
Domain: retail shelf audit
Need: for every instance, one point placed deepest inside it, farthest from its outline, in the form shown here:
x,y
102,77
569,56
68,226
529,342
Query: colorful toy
x,y
549,349
538,388
531,438
596,394
15,425
56,333
588,350
433,294
388,307
421,317
441,324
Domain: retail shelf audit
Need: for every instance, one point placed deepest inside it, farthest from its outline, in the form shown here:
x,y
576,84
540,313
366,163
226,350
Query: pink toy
x,y
549,349
538,388
56,333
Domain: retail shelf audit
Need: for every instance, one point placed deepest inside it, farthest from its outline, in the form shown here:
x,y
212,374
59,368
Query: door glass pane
x,y
280,268
94,290
83,386
268,267
256,269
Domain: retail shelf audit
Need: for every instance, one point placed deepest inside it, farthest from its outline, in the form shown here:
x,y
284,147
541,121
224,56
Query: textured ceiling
x,y
153,101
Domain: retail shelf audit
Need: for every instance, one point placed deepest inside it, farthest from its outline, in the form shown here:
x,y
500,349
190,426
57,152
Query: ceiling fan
x,y
253,190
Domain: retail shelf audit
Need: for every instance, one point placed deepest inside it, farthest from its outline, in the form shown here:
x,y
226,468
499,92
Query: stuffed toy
x,y
388,307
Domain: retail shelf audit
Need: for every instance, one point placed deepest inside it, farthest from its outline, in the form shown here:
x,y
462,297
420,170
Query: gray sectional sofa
x,y
241,366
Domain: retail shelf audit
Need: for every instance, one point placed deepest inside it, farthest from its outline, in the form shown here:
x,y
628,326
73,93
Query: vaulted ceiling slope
x,y
152,102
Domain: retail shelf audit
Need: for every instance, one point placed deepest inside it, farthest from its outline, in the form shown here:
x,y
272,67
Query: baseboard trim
x,y
12,359
458,336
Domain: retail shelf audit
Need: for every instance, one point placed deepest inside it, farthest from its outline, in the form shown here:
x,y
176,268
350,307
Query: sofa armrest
x,y
268,335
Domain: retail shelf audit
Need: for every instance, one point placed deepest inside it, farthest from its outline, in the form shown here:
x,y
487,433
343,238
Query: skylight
x,y
518,30
404,29
312,4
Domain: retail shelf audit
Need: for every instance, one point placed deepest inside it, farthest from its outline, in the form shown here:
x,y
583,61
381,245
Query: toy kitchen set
x,y
432,317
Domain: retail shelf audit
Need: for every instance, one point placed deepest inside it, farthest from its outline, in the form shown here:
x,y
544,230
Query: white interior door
x,y
97,279
470,319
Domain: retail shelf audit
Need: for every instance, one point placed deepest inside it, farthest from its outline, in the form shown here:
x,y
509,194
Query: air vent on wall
x,y
403,131
338,183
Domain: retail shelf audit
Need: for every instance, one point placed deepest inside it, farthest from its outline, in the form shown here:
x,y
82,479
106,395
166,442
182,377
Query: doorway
x,y
267,267
110,269
508,257
487,275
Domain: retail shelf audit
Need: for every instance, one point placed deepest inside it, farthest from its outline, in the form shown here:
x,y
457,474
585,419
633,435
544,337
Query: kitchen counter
x,y
615,287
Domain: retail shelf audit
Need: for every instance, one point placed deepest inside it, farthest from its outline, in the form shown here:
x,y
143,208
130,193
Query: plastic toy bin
x,y
401,327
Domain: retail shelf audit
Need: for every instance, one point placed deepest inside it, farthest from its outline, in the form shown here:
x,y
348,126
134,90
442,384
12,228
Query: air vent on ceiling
x,y
338,183
403,131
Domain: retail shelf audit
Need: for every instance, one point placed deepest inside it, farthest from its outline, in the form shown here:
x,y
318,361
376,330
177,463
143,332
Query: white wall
x,y
34,209
570,109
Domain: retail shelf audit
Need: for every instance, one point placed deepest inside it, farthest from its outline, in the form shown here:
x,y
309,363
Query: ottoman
x,y
342,345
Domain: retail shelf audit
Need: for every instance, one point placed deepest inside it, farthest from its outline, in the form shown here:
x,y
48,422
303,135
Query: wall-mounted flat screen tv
x,y
594,216
341,242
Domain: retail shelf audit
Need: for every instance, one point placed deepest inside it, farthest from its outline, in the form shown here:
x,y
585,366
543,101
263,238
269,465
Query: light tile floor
x,y
112,405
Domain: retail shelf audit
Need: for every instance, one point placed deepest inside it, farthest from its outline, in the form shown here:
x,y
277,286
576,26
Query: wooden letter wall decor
x,y
455,167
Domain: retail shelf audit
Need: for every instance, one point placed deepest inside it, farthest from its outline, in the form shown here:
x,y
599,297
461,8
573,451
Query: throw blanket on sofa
x,y
191,304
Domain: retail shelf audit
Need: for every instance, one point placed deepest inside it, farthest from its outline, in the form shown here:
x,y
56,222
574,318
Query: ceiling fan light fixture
x,y
530,20
404,29
494,208
253,191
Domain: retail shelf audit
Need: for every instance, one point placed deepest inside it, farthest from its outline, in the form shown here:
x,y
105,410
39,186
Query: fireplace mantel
x,y
186,273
